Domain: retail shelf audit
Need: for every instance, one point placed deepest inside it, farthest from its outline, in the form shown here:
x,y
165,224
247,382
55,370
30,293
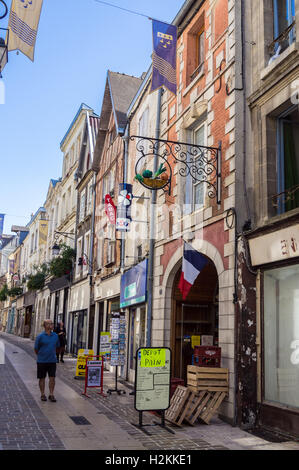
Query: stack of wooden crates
x,y
200,400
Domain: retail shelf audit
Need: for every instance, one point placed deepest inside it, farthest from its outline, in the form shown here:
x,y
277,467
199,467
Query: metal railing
x,y
283,40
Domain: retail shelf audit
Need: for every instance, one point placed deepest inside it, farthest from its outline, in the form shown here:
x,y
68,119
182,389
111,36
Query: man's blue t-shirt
x,y
46,345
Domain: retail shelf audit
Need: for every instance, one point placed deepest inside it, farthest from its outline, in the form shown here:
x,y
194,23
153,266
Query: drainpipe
x,y
125,175
94,202
150,276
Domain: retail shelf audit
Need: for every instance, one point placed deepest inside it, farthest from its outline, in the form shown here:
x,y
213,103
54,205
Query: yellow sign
x,y
83,354
43,232
152,357
195,341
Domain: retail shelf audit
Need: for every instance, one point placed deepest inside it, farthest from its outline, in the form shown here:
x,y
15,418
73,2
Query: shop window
x,y
283,26
199,54
194,189
82,205
111,252
281,336
196,50
79,255
143,131
287,197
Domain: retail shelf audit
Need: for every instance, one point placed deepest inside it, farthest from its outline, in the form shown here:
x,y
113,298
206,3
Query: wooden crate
x,y
211,407
210,379
178,409
196,405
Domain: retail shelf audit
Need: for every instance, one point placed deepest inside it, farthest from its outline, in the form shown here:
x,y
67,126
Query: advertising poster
x,y
105,345
94,373
152,382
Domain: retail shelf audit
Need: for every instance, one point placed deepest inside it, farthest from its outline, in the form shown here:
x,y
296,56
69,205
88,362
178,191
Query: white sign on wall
x,y
275,246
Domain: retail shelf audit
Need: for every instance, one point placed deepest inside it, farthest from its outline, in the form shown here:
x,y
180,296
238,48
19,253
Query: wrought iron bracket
x,y
202,164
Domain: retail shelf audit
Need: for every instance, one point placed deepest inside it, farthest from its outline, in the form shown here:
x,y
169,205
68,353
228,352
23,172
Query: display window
x,y
281,336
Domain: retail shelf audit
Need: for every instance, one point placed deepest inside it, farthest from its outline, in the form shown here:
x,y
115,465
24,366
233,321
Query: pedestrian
x,y
61,332
45,348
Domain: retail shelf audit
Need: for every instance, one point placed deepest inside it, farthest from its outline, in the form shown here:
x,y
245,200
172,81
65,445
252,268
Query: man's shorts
x,y
44,368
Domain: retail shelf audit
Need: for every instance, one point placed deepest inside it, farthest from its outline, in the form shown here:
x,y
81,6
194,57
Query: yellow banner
x,y
83,354
23,25
43,232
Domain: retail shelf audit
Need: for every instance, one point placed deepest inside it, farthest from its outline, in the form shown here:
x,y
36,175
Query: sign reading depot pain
x,y
152,379
83,354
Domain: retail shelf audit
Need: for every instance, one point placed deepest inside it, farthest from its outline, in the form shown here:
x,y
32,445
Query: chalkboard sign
x,y
152,379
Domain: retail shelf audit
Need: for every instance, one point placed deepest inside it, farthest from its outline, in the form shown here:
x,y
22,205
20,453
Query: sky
x,y
77,42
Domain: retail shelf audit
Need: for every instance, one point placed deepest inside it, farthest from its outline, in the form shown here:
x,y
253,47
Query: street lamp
x,y
56,247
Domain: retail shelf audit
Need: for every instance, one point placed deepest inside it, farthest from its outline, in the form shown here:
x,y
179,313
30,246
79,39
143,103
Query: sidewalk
x,y
110,420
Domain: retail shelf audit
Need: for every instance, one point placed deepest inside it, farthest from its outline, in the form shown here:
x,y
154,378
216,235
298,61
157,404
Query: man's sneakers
x,y
52,398
43,398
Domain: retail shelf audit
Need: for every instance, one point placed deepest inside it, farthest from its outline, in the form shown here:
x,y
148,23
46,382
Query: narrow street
x,y
26,423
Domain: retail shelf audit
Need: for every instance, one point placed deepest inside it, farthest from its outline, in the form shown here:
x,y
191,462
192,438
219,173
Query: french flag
x,y
193,264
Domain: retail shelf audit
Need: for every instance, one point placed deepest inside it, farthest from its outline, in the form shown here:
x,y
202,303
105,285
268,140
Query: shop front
x,y
195,319
107,302
29,301
11,318
78,318
133,299
20,316
275,255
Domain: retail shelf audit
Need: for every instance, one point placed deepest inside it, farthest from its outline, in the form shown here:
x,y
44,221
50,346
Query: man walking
x,y
45,348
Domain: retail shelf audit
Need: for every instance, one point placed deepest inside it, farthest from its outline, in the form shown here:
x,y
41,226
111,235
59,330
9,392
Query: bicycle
x,y
3,5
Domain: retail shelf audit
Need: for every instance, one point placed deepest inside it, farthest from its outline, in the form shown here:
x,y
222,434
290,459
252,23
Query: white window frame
x,y
85,251
79,255
194,183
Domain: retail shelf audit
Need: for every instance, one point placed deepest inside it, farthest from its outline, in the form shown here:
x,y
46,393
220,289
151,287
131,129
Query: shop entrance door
x,y
78,331
194,320
137,335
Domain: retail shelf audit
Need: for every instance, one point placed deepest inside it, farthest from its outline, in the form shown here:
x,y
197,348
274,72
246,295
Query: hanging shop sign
x,y
275,246
123,218
201,164
133,285
83,354
110,209
152,379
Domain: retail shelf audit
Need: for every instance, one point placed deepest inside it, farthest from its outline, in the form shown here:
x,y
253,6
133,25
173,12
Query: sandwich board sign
x,y
152,379
83,354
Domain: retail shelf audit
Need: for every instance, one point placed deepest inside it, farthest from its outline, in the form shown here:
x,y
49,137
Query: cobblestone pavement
x,y
23,426
120,410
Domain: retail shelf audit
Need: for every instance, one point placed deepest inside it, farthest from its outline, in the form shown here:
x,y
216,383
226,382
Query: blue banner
x,y
164,56
133,285
1,223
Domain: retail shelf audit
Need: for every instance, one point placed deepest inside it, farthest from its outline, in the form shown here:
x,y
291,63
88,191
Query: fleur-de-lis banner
x,y
164,56
23,25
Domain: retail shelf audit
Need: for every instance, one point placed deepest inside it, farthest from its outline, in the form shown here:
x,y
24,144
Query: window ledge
x,y
194,81
291,50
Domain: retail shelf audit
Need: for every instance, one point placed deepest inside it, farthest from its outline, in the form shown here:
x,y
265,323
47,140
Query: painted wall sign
x,y
133,285
152,379
275,246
